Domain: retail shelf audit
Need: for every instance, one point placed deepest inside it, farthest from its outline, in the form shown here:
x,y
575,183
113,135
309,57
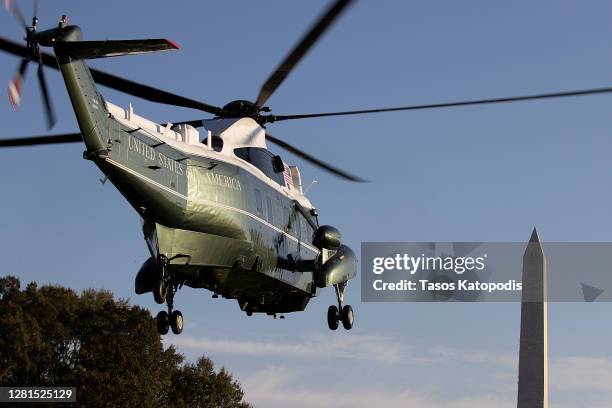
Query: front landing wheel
x,y
162,322
332,317
348,317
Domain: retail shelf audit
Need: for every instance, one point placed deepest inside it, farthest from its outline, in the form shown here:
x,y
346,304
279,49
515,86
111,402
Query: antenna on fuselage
x,y
311,184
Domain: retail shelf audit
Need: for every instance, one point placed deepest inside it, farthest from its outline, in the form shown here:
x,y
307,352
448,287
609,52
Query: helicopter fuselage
x,y
219,221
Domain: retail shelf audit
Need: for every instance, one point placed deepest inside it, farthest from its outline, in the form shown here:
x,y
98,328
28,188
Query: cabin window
x,y
262,159
258,201
270,210
307,237
298,225
287,219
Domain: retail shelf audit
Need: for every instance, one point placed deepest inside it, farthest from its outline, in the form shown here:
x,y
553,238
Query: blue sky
x,y
481,173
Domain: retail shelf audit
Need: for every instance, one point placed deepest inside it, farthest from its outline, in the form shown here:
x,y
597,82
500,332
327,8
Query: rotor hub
x,y
239,109
242,108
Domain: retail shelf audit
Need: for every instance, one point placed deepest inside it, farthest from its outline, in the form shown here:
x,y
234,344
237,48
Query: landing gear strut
x,y
163,279
341,313
164,290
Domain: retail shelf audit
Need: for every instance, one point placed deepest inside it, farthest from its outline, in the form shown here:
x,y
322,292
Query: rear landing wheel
x,y
176,322
162,322
332,317
347,317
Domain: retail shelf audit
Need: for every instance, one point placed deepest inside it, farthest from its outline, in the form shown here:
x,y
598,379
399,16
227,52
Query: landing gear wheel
x,y
347,317
176,322
162,322
159,291
332,317
164,291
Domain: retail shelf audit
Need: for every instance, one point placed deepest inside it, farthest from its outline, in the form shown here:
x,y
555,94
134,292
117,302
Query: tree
x,y
198,385
109,350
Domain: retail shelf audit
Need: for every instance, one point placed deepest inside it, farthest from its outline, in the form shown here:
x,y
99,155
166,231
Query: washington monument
x,y
533,354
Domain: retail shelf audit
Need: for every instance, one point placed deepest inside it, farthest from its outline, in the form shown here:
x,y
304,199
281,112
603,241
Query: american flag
x,y
288,178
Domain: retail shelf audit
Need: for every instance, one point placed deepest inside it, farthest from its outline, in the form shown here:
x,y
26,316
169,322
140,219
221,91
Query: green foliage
x,y
109,350
198,385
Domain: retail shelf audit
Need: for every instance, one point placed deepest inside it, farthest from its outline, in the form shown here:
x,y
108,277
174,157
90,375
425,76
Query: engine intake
x,y
327,237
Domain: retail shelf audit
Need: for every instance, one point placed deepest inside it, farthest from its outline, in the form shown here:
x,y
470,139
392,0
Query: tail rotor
x,y
33,53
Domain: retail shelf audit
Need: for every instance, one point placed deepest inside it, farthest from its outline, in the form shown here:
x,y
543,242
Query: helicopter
x,y
220,211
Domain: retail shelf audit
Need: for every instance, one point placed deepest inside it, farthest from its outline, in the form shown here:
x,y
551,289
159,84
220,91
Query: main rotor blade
x,y
41,140
302,47
566,94
195,123
45,97
313,160
121,84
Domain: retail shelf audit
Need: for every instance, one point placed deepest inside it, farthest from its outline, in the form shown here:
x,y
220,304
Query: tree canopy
x,y
106,348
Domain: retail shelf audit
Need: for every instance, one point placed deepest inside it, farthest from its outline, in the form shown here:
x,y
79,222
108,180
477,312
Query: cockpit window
x,y
262,159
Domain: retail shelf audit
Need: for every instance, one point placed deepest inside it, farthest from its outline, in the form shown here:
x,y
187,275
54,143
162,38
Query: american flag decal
x,y
288,178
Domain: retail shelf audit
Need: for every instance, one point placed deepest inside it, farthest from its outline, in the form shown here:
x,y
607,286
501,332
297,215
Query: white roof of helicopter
x,y
238,132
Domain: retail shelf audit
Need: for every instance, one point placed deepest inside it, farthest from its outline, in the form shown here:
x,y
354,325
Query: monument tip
x,y
534,236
